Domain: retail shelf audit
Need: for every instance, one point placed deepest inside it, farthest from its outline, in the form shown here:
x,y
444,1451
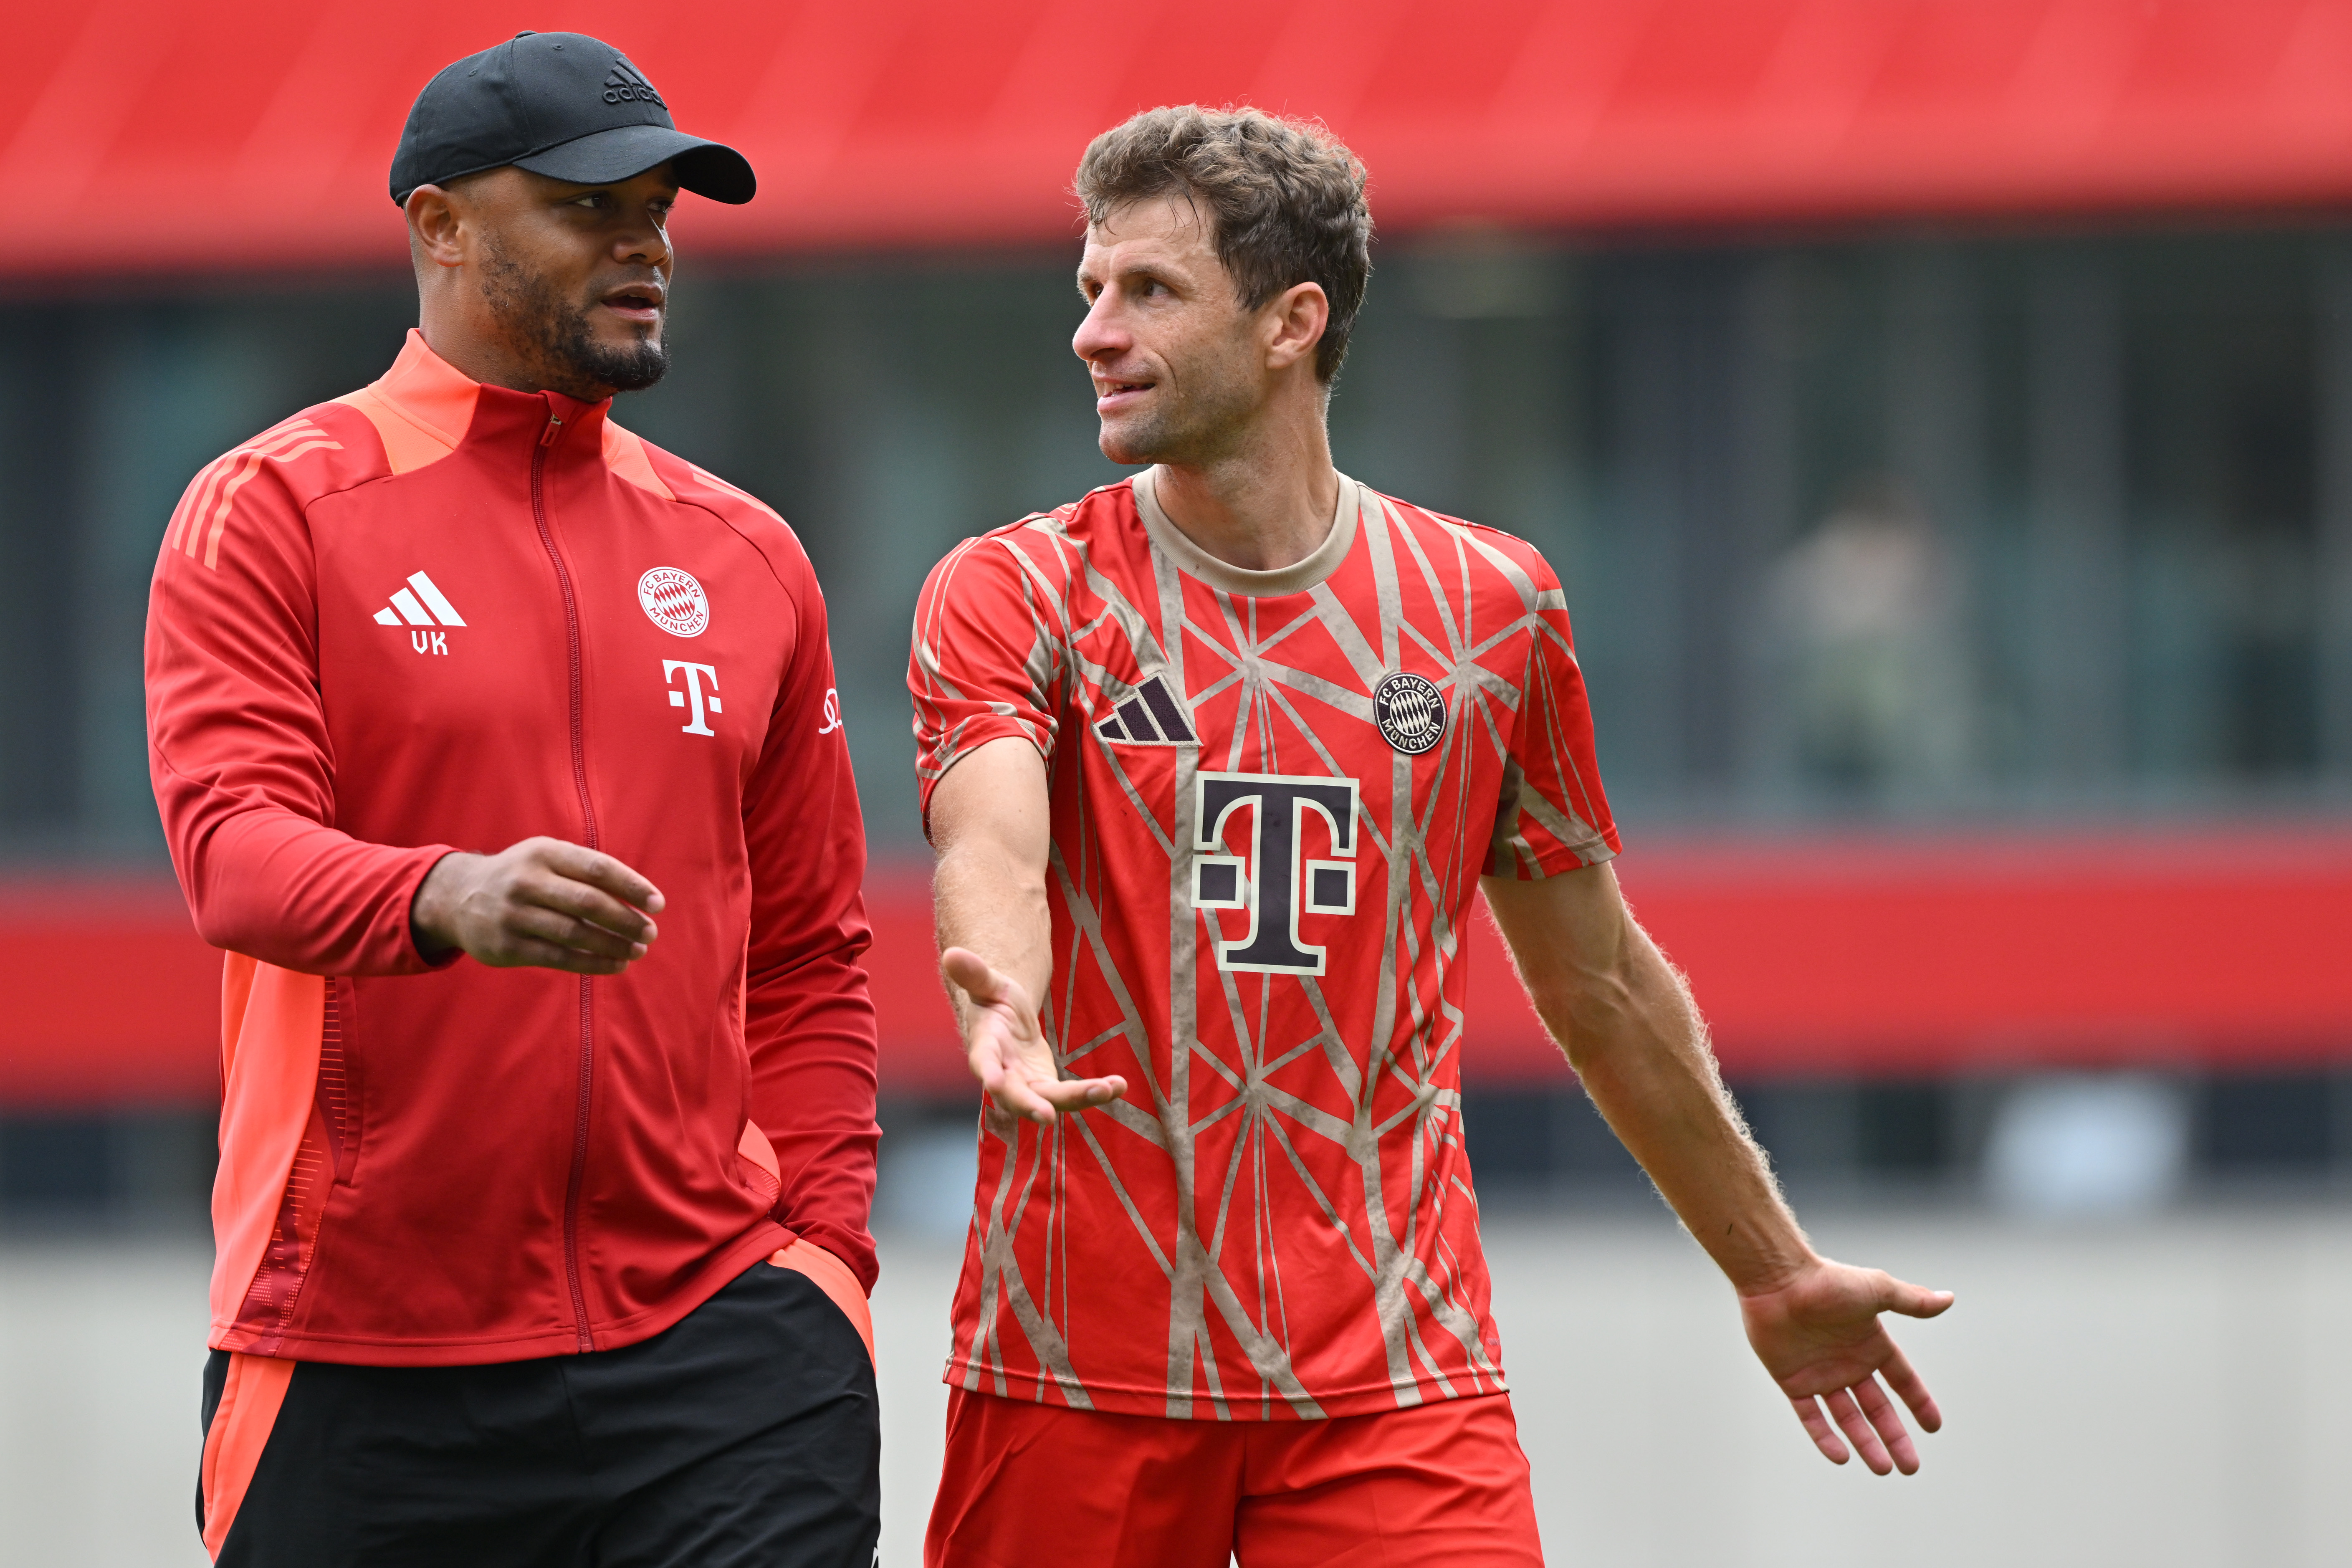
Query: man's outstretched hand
x,y
1820,1337
540,902
1008,1052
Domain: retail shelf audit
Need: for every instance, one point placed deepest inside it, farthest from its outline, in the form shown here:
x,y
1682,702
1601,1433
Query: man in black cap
x,y
557,1255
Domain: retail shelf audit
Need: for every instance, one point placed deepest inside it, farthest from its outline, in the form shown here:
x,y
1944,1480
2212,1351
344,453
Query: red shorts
x,y
1026,1484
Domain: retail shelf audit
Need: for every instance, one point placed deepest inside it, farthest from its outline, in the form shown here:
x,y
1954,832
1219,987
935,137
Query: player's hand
x,y
540,902
1820,1337
1008,1052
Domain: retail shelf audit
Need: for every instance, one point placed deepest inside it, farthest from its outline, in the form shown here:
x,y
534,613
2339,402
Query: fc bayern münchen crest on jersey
x,y
1411,712
674,600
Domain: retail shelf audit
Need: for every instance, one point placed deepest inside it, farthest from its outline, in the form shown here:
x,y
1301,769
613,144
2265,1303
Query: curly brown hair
x,y
1286,196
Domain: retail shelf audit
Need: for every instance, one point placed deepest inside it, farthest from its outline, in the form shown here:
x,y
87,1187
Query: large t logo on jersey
x,y
1276,882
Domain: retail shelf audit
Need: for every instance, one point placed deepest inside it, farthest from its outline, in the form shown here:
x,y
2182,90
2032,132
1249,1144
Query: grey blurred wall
x,y
1922,530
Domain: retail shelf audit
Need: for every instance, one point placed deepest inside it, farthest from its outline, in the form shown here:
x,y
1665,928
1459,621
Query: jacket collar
x,y
429,392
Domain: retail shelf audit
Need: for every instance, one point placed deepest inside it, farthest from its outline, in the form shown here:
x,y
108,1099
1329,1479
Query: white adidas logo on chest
x,y
424,607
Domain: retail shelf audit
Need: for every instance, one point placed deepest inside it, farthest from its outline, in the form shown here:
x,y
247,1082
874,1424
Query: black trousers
x,y
745,1434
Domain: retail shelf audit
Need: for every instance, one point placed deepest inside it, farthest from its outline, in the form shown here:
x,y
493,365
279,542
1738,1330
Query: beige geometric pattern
x,y
1259,924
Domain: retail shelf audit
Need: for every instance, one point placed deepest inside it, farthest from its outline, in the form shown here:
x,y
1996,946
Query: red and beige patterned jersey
x,y
1273,796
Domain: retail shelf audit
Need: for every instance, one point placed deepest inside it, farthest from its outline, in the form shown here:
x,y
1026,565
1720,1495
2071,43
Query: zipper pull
x,y
554,428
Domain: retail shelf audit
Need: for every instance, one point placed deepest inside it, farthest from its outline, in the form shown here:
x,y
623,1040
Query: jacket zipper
x,y
588,819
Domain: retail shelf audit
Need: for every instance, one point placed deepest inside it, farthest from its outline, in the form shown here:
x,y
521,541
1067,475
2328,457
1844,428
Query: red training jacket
x,y
437,615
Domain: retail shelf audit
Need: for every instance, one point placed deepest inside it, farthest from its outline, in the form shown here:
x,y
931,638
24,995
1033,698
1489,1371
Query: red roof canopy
x,y
142,134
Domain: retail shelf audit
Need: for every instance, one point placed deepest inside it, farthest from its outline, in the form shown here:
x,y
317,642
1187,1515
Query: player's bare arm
x,y
1626,1019
542,903
989,820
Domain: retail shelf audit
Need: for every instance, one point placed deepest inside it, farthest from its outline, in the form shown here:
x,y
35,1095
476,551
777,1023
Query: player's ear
x,y
435,227
1293,321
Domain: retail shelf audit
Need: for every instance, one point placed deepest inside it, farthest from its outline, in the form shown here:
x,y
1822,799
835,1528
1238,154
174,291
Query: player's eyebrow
x,y
1155,272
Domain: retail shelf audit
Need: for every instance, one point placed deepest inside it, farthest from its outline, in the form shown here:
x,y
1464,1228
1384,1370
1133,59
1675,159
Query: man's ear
x,y
436,229
1297,318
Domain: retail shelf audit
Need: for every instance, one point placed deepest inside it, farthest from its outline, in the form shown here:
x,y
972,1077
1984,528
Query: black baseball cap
x,y
560,104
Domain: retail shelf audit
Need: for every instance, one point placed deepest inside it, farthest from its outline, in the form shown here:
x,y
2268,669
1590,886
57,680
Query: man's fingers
x,y
1914,1394
588,905
1824,1435
1013,1092
1858,1430
972,974
600,870
1912,1301
1078,1093
566,931
1879,1412
1021,1088
994,1062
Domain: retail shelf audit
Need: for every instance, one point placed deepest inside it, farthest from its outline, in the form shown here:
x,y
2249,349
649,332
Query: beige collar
x,y
1295,578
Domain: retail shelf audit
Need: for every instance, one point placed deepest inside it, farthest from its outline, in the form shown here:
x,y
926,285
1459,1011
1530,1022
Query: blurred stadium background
x,y
1939,410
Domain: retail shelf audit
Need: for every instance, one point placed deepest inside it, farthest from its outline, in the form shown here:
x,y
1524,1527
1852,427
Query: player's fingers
x,y
1887,1423
586,903
1078,1093
622,882
1912,1301
972,974
1857,1431
1817,1427
559,929
600,870
1912,1392
1005,1084
596,868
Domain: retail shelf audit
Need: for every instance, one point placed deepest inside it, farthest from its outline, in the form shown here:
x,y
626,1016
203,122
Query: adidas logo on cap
x,y
625,86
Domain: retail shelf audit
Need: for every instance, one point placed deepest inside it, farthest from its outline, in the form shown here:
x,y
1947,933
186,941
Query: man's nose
x,y
1100,333
644,245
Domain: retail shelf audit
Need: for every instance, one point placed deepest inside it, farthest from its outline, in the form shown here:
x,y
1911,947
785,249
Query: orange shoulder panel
x,y
420,408
625,453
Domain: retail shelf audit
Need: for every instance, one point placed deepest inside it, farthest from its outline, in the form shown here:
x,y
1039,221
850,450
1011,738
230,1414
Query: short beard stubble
x,y
1209,419
553,334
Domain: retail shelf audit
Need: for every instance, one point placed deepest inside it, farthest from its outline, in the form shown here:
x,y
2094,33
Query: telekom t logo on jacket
x,y
424,607
703,701
1276,881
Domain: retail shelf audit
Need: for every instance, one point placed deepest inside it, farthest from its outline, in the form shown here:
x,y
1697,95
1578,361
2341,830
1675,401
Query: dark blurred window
x,y
1893,527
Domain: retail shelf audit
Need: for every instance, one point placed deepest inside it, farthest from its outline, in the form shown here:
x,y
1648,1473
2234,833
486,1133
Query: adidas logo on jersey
x,y
424,607
1150,717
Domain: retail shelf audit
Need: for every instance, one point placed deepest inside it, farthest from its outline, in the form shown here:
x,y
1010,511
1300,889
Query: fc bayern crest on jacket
x,y
674,600
1411,712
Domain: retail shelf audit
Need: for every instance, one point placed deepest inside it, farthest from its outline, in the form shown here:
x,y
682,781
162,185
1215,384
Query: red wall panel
x,y
2225,949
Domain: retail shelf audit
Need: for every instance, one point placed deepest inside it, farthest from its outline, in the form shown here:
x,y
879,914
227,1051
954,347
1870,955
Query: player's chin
x,y
619,335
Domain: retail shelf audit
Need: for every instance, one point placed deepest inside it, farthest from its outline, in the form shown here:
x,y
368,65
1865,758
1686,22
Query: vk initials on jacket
x,y
435,615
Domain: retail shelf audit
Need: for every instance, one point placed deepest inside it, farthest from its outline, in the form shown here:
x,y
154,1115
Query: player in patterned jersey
x,y
1214,760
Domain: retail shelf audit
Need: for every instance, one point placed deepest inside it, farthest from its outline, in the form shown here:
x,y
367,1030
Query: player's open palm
x,y
1821,1339
1008,1052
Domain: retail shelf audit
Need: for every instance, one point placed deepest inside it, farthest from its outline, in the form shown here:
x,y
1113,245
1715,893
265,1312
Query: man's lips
x,y
1115,393
640,302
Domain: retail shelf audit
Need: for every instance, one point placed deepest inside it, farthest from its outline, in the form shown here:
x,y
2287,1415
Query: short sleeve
x,y
987,658
1552,815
